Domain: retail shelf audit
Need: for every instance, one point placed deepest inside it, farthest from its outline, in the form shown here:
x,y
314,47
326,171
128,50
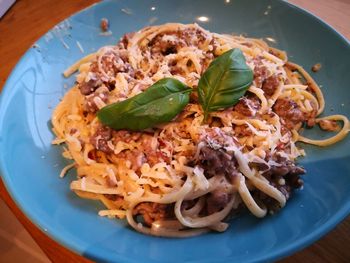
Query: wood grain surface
x,y
27,20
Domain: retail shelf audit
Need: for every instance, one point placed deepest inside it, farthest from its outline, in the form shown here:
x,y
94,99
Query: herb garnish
x,y
158,104
224,82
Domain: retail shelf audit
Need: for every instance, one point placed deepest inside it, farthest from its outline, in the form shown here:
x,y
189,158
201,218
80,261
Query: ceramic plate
x,y
30,164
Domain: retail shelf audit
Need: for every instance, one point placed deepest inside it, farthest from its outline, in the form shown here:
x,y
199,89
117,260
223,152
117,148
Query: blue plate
x,y
30,164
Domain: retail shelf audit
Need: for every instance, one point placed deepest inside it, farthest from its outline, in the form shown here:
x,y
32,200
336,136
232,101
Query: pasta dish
x,y
189,175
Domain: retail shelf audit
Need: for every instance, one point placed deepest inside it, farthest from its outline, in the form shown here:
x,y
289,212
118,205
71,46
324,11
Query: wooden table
x,y
27,20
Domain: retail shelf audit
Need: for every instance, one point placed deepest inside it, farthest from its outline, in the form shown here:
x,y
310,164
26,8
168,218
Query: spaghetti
x,y
185,177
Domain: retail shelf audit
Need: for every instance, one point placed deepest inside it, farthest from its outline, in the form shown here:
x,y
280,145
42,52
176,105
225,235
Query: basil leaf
x,y
224,82
158,104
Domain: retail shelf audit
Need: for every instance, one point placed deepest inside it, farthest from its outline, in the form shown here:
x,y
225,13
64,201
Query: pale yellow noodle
x,y
111,179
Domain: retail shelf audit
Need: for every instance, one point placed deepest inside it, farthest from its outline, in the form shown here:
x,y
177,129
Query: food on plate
x,y
316,67
104,24
176,128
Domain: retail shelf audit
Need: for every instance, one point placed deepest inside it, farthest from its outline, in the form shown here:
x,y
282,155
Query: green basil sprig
x,y
158,104
224,82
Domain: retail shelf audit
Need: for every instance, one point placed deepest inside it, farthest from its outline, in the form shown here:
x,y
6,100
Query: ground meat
x,y
290,181
188,204
194,37
149,145
138,74
152,149
126,136
137,159
259,166
152,212
176,70
86,88
248,106
311,117
289,111
215,44
283,170
242,131
171,42
104,24
247,44
113,197
113,62
209,56
260,72
264,200
90,102
72,131
102,146
110,85
124,41
329,125
217,162
215,138
311,122
270,85
164,146
100,139
215,122
110,60
285,177
194,97
217,200
282,161
166,44
293,177
105,132
316,67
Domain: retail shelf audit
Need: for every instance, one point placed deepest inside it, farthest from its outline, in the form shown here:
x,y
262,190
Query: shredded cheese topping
x,y
164,166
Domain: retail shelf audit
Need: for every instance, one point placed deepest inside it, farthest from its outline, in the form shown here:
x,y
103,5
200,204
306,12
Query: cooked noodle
x,y
186,177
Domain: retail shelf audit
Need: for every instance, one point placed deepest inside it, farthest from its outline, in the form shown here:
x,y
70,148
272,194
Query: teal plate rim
x,y
274,255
